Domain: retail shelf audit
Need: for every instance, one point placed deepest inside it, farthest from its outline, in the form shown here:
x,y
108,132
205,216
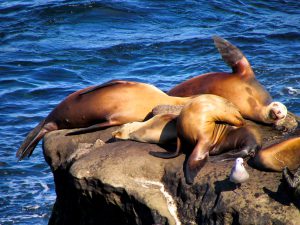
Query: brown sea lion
x,y
239,87
278,156
201,127
108,104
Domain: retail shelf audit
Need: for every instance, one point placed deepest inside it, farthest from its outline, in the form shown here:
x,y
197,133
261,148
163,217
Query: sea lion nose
x,y
279,114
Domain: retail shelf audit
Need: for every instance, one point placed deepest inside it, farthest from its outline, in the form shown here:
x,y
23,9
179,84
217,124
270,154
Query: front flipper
x,y
93,128
195,162
169,155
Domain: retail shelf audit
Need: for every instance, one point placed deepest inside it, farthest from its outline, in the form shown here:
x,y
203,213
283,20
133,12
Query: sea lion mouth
x,y
278,111
273,115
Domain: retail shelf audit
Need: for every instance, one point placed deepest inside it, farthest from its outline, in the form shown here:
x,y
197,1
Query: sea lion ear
x,y
233,57
195,162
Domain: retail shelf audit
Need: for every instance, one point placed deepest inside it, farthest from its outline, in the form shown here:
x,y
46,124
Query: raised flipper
x,y
233,57
195,162
169,155
107,84
94,127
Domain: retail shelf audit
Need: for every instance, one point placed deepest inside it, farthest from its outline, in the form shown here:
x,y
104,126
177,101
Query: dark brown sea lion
x,y
201,128
109,104
278,156
239,87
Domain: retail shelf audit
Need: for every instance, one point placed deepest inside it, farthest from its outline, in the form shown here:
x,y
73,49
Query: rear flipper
x,y
169,155
33,139
230,53
165,155
290,179
195,162
93,128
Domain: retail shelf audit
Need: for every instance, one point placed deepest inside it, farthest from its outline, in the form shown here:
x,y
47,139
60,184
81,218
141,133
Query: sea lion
x,y
161,129
278,156
201,127
112,103
240,87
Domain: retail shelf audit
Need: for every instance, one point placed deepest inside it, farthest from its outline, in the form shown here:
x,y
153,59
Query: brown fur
x,y
278,156
198,131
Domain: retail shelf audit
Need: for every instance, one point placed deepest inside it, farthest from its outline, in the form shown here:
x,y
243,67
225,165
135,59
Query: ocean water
x,y
49,49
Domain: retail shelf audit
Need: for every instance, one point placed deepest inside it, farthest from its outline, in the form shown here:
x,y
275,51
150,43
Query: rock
x,y
102,181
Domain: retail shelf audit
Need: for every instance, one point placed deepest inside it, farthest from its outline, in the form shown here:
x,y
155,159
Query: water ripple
x,y
50,49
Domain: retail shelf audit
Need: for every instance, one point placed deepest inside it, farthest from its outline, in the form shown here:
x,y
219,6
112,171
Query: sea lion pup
x,y
112,103
278,156
239,87
200,127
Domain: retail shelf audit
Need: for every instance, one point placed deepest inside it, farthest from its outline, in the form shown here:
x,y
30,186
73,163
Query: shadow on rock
x,y
224,185
281,195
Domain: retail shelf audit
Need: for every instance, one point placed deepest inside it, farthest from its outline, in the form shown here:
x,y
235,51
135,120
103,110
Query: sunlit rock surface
x,y
102,181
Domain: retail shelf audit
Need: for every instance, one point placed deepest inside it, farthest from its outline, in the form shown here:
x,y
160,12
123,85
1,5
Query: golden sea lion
x,y
108,104
240,87
160,129
278,156
200,129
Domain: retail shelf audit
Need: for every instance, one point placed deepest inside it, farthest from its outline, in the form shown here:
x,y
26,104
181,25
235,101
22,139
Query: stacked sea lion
x,y
210,122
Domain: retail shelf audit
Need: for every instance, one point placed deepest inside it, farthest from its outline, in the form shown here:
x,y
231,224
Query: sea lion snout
x,y
278,111
125,130
118,134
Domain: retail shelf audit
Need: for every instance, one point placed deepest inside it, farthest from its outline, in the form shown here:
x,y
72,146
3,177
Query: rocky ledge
x,y
102,181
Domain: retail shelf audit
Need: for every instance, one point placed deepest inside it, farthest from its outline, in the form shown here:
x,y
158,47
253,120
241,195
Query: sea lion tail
x,y
32,139
230,53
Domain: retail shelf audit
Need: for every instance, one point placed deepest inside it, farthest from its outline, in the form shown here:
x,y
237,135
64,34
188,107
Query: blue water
x,y
49,49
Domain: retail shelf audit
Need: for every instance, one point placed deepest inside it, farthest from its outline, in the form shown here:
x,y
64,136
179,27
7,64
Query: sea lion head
x,y
125,130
